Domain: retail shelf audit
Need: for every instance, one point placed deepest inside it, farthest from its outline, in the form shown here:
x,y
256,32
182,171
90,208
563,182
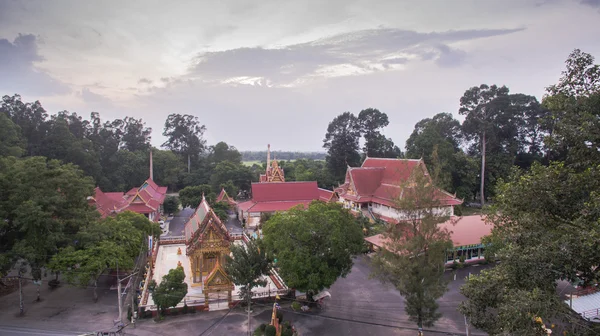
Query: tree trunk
x,y
21,306
482,195
95,292
189,163
38,291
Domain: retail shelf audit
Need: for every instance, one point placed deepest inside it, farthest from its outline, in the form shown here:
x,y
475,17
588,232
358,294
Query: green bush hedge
x,y
270,331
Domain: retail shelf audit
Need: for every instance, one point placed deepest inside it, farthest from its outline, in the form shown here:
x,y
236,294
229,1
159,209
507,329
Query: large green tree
x,y
415,249
192,196
43,206
376,144
184,136
482,106
546,221
224,152
11,140
315,246
341,142
171,290
30,117
247,267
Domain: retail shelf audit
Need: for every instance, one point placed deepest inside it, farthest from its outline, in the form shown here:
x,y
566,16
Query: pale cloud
x,y
278,71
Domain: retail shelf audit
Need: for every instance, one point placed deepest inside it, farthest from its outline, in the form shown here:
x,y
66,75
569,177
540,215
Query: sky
x,y
278,71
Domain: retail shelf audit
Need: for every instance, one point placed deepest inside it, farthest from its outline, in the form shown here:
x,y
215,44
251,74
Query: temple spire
x,y
268,156
151,168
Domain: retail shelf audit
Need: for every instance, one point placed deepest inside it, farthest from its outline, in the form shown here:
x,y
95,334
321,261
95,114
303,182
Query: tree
x,y
482,105
220,209
192,196
136,136
171,290
30,117
314,246
246,267
546,220
341,142
223,152
43,205
575,104
376,144
168,169
184,136
240,175
415,249
11,141
171,204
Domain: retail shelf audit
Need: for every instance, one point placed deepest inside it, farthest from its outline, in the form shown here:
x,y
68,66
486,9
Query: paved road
x,y
6,330
177,224
232,224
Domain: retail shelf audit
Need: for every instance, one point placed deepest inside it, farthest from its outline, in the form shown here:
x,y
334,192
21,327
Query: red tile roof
x,y
379,180
145,199
326,195
284,191
223,197
467,230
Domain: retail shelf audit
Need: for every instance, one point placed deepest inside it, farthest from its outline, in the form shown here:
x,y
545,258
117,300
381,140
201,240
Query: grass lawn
x,y
471,211
250,163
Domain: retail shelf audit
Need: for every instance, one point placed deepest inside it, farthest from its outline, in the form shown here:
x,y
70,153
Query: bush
x,y
287,332
296,305
185,309
462,259
458,210
280,316
262,327
270,331
171,204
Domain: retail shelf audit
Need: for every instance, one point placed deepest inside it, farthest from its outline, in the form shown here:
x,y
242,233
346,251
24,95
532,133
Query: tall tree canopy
x,y
171,290
11,140
341,142
546,221
371,122
43,205
184,136
248,265
313,247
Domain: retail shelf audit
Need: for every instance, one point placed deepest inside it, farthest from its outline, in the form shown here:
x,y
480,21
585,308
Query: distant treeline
x,y
280,155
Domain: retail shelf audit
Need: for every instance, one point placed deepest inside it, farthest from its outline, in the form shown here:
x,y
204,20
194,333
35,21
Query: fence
x,y
591,313
172,240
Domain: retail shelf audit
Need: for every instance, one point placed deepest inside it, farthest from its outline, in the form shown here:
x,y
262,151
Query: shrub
x,y
270,331
462,259
185,308
296,305
280,316
262,327
458,210
260,330
287,332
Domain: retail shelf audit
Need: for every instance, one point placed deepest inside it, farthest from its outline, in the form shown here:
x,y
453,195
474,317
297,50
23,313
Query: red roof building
x,y
374,188
146,200
281,196
223,197
466,234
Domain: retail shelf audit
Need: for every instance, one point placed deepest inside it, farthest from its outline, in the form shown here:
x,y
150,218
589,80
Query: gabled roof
x,y
282,196
145,199
201,220
217,278
284,191
380,180
223,197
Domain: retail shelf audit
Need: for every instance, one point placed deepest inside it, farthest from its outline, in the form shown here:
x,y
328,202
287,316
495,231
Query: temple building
x,y
201,252
146,199
280,196
274,173
223,197
466,233
374,188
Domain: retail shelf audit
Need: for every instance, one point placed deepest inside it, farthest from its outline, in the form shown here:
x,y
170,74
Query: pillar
x,y
205,299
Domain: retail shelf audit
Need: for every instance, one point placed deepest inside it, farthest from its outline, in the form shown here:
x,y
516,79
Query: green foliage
x,y
247,265
11,140
270,331
223,152
341,142
226,173
279,315
184,136
43,206
171,290
315,246
192,196
171,204
412,259
296,305
376,144
220,209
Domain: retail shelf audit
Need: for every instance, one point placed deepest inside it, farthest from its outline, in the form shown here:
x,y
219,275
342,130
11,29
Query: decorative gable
x,y
217,279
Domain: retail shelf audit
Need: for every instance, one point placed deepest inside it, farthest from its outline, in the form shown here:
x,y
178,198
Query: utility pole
x,y
119,294
133,311
21,307
248,293
466,325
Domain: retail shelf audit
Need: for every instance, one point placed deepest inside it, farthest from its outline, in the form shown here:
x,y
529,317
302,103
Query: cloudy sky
x,y
278,71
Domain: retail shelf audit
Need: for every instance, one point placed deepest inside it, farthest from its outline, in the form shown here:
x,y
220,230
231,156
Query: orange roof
x,y
145,199
223,197
284,191
379,180
467,230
